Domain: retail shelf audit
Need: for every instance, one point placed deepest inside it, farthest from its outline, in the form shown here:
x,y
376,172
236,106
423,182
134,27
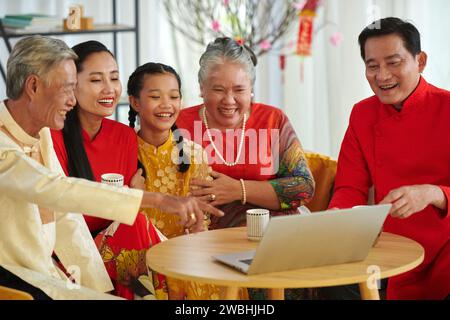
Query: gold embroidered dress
x,y
161,167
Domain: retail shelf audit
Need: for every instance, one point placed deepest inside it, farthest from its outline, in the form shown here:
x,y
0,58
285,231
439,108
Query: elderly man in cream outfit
x,y
35,196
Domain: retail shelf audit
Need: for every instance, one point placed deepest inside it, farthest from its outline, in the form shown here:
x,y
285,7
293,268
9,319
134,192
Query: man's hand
x,y
409,200
189,209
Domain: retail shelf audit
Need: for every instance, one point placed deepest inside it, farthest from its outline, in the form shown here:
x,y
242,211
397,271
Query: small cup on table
x,y
257,220
113,179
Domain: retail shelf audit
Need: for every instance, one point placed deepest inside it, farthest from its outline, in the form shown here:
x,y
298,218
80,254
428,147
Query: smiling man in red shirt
x,y
398,141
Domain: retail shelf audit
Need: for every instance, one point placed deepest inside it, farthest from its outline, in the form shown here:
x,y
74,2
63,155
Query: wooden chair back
x,y
13,294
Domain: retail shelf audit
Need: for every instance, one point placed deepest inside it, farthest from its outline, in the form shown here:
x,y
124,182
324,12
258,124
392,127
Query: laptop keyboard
x,y
247,261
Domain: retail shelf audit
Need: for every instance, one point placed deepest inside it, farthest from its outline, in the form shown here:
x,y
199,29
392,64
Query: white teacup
x,y
257,220
113,179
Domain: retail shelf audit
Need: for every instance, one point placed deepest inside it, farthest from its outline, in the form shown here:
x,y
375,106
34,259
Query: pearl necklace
x,y
229,164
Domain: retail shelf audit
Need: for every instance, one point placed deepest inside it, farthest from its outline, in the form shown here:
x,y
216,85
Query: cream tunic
x,y
35,200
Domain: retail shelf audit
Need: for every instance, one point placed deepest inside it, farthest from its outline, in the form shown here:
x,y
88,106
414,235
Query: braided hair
x,y
78,162
134,87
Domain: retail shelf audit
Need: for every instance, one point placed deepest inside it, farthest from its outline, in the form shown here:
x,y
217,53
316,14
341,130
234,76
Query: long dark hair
x,y
78,162
134,87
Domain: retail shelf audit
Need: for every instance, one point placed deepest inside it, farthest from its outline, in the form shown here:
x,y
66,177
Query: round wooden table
x,y
189,257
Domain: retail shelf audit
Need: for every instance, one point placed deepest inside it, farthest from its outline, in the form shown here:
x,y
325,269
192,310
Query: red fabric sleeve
x,y
60,149
132,156
353,179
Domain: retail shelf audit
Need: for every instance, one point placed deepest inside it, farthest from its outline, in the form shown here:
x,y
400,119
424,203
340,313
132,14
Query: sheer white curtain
x,y
158,41
334,79
100,10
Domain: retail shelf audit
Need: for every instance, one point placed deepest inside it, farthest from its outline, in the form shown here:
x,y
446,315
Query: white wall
x,y
319,106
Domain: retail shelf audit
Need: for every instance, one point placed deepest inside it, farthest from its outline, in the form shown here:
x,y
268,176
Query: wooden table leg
x,y
231,293
276,294
368,294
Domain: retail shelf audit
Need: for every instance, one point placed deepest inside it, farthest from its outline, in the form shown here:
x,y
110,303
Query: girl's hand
x,y
138,181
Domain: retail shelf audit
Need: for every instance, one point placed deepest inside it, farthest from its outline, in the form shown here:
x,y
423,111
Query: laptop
x,y
312,240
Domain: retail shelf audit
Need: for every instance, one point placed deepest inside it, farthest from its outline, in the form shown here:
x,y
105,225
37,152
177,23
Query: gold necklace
x,y
229,164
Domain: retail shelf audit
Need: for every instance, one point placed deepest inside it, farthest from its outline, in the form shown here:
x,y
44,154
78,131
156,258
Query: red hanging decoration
x,y
305,31
282,62
282,66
